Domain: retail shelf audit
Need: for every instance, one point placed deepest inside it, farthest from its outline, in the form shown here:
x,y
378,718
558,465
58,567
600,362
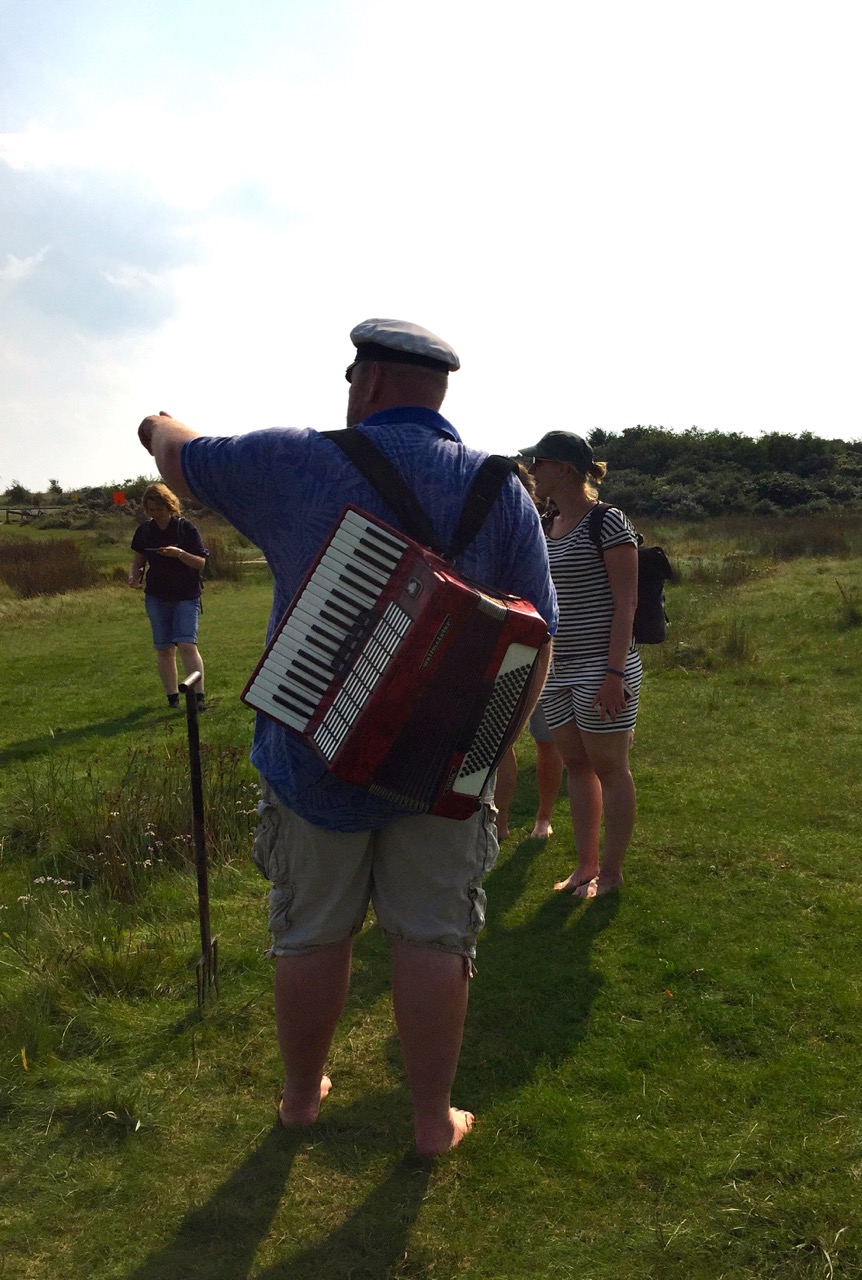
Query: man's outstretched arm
x,y
164,437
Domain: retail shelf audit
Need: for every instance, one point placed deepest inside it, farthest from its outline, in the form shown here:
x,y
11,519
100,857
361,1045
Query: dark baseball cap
x,y
561,446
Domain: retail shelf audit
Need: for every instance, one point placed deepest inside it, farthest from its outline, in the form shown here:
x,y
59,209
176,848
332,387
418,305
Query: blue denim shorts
x,y
422,874
173,621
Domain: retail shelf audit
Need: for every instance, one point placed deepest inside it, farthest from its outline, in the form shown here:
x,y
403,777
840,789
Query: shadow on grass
x,y
219,1239
373,1239
104,729
529,1007
531,1000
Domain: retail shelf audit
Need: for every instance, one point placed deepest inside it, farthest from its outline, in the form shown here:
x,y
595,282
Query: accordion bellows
x,y
406,679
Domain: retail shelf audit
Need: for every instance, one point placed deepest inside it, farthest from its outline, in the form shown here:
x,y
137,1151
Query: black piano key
x,y
369,555
294,704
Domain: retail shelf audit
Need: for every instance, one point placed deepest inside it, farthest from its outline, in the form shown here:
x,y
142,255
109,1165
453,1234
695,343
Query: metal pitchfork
x,y
206,969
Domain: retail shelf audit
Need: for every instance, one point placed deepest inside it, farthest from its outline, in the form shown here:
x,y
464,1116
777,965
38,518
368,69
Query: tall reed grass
x,y
850,610
225,558
813,536
722,571
777,538
116,833
31,568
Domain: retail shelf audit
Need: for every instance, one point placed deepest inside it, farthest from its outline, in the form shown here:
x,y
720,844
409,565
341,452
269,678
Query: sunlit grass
x,y
666,1083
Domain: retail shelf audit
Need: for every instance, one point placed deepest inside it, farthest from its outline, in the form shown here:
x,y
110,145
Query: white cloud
x,y
21,268
617,214
36,148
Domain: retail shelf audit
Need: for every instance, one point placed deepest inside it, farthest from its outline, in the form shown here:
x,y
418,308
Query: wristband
x,y
612,671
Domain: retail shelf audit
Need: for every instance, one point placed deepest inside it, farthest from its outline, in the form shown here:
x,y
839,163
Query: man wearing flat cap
x,y
327,847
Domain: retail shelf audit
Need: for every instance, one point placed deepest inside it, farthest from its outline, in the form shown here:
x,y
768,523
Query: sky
x,y
618,213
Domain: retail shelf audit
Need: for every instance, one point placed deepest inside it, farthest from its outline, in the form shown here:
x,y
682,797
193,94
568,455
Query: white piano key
x,y
353,520
263,703
333,572
324,597
286,653
272,685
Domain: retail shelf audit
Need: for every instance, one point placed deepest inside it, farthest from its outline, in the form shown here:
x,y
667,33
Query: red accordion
x,y
407,680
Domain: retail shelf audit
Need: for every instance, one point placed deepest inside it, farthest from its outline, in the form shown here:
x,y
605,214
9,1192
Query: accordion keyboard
x,y
406,679
330,620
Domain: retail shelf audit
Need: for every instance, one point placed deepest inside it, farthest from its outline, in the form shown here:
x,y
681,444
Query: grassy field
x,y
667,1082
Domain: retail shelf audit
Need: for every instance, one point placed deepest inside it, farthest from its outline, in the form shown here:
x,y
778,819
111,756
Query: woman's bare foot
x,y
581,883
541,830
302,1110
436,1139
607,886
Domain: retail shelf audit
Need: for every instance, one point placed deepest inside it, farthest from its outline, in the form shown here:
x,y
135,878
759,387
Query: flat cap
x,y
561,446
400,342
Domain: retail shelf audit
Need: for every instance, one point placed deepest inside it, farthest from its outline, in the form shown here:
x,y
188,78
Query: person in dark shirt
x,y
168,562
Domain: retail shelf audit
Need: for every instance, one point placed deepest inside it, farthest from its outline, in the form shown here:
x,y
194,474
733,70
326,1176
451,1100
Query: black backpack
x,y
654,570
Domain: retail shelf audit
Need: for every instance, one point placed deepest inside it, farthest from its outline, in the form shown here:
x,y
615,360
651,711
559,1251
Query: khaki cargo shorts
x,y
422,874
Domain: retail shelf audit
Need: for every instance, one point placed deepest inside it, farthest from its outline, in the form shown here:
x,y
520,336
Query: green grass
x,y
666,1082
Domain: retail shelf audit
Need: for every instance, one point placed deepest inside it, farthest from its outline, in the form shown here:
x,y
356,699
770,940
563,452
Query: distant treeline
x,y
95,496
652,472
692,474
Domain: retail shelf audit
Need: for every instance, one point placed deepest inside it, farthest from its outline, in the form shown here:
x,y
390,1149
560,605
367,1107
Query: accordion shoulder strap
x,y
487,483
385,477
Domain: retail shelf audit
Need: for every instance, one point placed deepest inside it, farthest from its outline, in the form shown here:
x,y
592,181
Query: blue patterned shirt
x,y
286,489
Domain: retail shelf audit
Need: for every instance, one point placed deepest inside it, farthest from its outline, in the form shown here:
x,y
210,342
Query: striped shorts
x,y
569,693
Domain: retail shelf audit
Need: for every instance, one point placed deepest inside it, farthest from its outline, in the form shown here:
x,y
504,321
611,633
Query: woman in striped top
x,y
590,698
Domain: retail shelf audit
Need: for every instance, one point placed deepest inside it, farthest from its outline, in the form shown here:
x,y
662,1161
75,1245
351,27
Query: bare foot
x,y
435,1140
302,1111
541,830
607,886
582,884
502,831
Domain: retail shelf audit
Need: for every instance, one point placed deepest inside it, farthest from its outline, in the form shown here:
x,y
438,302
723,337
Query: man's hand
x,y
147,427
164,437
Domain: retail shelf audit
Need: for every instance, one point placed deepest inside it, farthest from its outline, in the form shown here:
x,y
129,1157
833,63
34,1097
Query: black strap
x,y
385,477
388,481
481,496
597,519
